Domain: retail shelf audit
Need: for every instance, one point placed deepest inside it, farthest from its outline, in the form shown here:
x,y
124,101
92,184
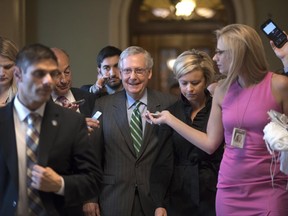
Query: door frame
x,y
118,30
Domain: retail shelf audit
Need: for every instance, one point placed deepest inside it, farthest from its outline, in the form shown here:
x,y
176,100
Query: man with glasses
x,y
126,148
109,80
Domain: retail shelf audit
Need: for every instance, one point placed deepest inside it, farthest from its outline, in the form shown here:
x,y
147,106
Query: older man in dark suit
x,y
66,95
46,163
125,142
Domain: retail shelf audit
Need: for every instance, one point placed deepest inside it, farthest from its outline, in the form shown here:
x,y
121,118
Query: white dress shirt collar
x,y
23,111
69,96
131,101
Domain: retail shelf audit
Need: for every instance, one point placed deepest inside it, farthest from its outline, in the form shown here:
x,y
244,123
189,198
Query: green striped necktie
x,y
136,128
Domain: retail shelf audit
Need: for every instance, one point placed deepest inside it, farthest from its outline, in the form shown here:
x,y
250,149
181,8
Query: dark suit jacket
x,y
86,108
64,147
123,171
192,188
101,93
86,87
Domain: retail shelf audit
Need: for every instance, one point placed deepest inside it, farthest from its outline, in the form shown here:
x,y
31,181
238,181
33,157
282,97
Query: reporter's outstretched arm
x,y
207,142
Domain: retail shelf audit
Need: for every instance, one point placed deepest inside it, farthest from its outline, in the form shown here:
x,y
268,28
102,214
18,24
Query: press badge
x,y
238,138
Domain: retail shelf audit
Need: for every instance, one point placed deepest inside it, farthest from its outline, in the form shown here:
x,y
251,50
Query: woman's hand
x,y
281,53
158,117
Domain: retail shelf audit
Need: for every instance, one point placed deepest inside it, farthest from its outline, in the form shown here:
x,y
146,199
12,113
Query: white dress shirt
x,y
69,96
20,113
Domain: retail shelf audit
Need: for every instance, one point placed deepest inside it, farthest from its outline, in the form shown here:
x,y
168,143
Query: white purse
x,y
276,137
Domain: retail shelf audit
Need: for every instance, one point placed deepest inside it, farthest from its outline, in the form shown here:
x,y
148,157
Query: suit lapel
x,y
153,105
50,122
86,108
77,95
49,129
8,142
120,106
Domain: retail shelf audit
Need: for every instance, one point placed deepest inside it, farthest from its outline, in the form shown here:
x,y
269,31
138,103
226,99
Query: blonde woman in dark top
x,y
8,52
183,180
250,181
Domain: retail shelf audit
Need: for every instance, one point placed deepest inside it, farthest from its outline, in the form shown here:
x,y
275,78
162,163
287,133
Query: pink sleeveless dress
x,y
244,183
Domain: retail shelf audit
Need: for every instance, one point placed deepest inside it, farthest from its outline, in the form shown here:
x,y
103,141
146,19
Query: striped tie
x,y
63,100
136,127
35,206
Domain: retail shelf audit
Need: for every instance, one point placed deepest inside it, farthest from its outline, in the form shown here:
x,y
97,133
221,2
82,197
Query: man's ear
x,y
150,74
99,70
17,73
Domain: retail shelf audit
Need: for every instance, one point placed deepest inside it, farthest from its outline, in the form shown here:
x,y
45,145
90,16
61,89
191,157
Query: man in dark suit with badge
x,y
46,163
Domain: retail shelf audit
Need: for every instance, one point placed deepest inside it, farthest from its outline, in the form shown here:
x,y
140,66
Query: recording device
x,y
79,102
156,114
274,33
97,115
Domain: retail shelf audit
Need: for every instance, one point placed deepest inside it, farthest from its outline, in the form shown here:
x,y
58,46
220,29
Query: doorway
x,y
166,38
166,47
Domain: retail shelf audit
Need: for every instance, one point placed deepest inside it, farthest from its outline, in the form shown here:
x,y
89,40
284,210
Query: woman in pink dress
x,y
239,114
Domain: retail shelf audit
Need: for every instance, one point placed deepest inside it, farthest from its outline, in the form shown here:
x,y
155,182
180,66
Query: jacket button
x,y
14,203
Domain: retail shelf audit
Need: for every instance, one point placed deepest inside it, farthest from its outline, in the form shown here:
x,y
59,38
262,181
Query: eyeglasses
x,y
138,71
219,52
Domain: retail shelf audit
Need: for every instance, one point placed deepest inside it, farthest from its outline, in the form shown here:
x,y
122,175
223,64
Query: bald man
x,y
66,95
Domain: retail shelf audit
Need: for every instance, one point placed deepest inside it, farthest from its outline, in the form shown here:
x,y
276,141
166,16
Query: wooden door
x,y
168,46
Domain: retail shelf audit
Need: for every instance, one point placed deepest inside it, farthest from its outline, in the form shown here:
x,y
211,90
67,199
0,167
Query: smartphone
x,y
274,33
97,115
79,102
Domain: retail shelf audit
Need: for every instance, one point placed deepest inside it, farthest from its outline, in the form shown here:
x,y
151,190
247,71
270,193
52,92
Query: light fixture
x,y
180,9
205,12
170,63
184,8
161,12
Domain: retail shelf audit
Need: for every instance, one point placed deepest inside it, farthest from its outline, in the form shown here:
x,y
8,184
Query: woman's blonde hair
x,y
192,60
247,53
9,50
